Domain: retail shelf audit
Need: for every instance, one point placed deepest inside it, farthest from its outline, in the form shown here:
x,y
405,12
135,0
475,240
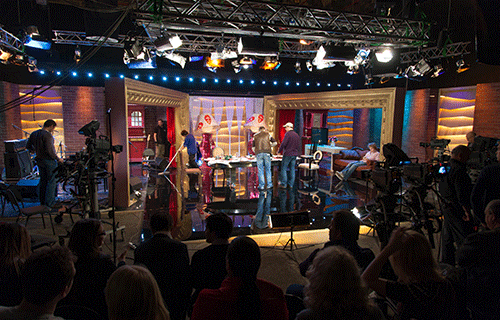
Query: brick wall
x,y
9,92
420,122
486,119
80,106
360,128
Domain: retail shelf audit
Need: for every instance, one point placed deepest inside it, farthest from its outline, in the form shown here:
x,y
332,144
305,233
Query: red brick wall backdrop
x,y
80,106
360,128
9,92
486,119
421,108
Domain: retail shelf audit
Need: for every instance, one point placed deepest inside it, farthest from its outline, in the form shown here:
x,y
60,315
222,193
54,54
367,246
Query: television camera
x,y
440,145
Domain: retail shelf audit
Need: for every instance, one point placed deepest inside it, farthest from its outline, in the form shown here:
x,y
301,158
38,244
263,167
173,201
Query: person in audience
x,y
208,265
370,157
423,293
132,293
15,248
290,148
242,295
46,278
93,268
455,188
168,261
486,188
335,289
478,256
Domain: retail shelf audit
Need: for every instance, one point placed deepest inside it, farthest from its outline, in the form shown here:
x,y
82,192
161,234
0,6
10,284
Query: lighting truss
x,y
10,41
286,21
450,50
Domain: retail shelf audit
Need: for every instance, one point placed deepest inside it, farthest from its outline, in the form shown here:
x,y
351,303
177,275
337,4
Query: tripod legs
x,y
291,241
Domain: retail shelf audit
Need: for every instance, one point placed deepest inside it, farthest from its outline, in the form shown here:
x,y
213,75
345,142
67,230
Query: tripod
x,y
291,241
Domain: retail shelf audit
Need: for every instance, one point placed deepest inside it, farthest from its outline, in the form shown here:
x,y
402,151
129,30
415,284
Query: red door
x,y
136,133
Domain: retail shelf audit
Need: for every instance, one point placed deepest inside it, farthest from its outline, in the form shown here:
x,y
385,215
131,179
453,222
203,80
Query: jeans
x,y
264,170
288,163
48,184
351,167
263,209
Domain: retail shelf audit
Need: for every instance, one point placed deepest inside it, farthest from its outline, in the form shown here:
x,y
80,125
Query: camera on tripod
x,y
436,143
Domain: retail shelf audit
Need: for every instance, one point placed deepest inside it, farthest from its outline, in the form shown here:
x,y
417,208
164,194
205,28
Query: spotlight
x,y
5,55
305,42
33,39
384,80
163,44
177,58
462,66
438,70
217,63
309,66
258,46
384,55
236,66
78,54
271,63
298,68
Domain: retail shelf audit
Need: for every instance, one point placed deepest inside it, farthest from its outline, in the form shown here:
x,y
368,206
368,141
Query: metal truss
x,y
450,50
285,21
8,40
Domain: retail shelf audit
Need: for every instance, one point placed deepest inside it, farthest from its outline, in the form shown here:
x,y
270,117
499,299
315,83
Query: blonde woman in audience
x,y
133,294
335,289
15,248
421,291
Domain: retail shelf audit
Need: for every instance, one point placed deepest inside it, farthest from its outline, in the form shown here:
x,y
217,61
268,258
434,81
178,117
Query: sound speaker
x,y
135,184
28,187
18,164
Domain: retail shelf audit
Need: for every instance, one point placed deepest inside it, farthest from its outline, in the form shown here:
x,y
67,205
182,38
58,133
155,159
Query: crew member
x,y
162,143
290,147
456,189
41,142
262,144
192,150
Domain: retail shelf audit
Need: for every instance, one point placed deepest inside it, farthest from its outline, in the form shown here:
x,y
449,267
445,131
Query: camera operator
x,y
455,189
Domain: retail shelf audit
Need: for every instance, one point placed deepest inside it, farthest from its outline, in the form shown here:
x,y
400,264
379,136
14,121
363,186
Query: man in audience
x,y
344,232
46,278
479,257
290,147
455,189
168,261
208,265
486,188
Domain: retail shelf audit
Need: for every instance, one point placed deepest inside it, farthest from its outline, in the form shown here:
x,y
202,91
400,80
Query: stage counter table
x,y
325,148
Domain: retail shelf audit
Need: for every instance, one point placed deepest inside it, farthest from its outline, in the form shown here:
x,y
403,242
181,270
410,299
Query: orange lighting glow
x,y
216,63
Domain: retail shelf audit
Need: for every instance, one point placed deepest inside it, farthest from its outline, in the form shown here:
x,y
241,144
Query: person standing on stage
x,y
190,144
262,144
41,142
290,147
162,143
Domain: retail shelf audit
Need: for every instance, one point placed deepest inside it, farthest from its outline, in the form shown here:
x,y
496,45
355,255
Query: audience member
x,y
335,289
168,261
15,248
46,278
486,188
242,296
455,190
479,257
132,293
421,290
93,268
208,265
370,157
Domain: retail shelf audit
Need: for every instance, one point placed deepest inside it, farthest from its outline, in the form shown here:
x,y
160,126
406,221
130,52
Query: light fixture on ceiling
x,y
78,54
298,68
133,50
177,58
33,39
305,42
236,66
335,53
384,80
437,71
5,55
309,66
462,66
258,46
163,43
224,54
384,55
271,63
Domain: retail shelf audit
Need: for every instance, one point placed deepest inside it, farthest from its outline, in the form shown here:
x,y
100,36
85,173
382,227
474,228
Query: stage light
x,y
106,75
163,44
177,79
203,80
305,42
236,66
42,72
271,63
136,77
33,39
90,75
298,68
78,54
177,58
196,58
287,83
307,84
74,74
263,82
191,79
214,63
223,54
246,61
275,82
5,55
228,80
241,81
384,80
252,82
122,76
309,66
216,80
318,84
328,85
297,84
151,78
164,78
58,73
462,66
348,85
258,46
339,85
438,70
384,55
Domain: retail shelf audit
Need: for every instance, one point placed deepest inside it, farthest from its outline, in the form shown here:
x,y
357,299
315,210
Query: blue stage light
x,y
42,72
339,85
122,76
151,78
263,82
328,84
318,84
164,78
287,83
136,76
252,82
58,73
216,80
228,80
307,84
74,74
106,75
275,82
90,75
297,84
177,79
203,80
191,79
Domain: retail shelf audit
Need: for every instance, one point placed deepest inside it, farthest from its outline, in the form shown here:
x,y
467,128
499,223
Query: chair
x,y
311,166
30,211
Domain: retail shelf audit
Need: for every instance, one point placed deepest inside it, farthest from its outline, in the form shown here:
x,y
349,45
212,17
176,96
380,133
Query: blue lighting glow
x,y
136,76
349,85
164,78
216,80
252,82
151,78
74,74
122,76
297,84
287,83
203,80
241,81
106,75
177,79
58,73
191,79
37,44
318,84
263,82
42,72
228,80
90,75
275,82
338,85
307,84
328,84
